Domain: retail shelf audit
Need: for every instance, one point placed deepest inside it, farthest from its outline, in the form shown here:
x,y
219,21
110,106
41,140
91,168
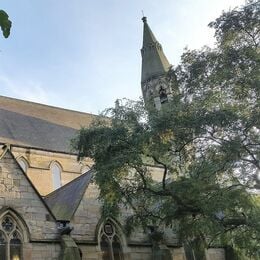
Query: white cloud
x,y
28,90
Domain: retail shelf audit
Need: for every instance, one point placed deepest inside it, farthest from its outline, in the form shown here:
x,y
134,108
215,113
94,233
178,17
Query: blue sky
x,y
84,54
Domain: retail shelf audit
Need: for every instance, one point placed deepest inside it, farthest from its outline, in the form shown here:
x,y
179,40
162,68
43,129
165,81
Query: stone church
x,y
48,201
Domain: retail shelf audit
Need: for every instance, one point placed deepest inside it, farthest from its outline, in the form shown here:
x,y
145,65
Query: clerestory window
x,y
23,163
56,175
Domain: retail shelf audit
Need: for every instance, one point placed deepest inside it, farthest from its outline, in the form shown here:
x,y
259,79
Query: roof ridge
x,y
37,118
45,105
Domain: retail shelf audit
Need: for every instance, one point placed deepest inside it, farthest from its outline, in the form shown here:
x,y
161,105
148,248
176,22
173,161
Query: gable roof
x,y
40,126
64,201
19,129
60,116
7,153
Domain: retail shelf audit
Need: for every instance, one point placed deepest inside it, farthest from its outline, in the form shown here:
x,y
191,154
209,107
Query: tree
x,y
5,23
205,143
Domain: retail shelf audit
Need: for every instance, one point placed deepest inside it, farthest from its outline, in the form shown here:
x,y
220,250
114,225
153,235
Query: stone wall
x,y
43,251
39,162
215,254
19,199
17,193
87,215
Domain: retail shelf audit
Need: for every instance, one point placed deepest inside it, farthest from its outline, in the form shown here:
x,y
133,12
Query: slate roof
x,y
64,201
154,61
39,126
56,115
25,130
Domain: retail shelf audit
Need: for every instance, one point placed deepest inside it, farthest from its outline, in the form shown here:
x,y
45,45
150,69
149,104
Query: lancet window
x,y
23,163
56,175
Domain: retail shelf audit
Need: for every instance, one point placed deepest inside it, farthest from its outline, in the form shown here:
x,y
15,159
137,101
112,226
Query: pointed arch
x,y
111,240
56,170
57,163
23,163
19,221
14,233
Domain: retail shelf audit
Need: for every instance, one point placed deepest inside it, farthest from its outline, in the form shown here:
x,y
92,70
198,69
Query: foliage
x,y
5,23
204,144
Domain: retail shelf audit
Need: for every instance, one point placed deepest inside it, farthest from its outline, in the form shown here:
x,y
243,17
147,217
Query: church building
x,y
49,207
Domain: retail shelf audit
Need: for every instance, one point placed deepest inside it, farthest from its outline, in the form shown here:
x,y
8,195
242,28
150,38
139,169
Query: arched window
x,y
56,175
163,95
23,163
110,244
10,239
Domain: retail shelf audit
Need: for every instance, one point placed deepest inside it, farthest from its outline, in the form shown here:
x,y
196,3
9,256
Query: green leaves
x,y
5,23
239,26
192,164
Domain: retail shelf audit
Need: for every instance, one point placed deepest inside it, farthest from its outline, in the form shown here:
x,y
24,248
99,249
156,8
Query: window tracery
x,y
110,244
10,239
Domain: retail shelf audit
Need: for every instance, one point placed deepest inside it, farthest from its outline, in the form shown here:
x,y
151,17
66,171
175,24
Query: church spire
x,y
154,62
156,86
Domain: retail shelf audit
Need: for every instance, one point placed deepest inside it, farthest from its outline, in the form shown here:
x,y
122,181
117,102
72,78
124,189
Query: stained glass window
x,y
15,248
7,224
10,240
3,247
105,248
110,243
117,249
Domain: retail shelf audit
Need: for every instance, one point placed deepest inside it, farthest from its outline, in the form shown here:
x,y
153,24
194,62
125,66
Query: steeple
x,y
156,87
154,62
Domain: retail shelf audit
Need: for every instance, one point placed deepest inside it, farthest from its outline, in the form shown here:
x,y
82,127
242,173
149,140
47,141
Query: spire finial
x,y
144,17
